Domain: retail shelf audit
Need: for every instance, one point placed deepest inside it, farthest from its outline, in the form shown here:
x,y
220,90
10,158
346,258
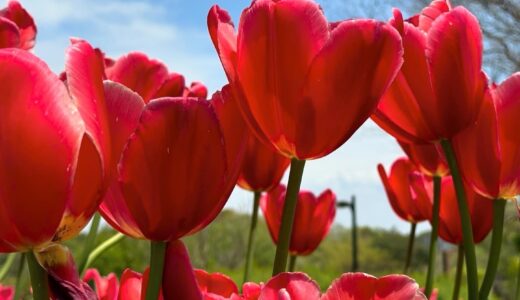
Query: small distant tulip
x,y
407,204
312,220
488,151
6,292
304,85
440,88
107,288
17,27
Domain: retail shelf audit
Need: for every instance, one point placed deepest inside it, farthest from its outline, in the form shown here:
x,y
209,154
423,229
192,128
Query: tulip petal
x,y
357,64
507,101
290,286
9,34
124,108
360,286
179,278
107,288
224,38
23,20
41,132
454,52
139,73
271,204
173,169
130,286
215,283
275,51
431,12
173,86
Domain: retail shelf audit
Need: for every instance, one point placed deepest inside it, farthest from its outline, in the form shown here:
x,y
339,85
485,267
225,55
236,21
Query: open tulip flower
x,y
305,100
407,204
440,87
313,218
69,129
17,27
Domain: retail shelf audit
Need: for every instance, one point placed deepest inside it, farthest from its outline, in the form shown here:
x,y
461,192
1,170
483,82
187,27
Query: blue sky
x,y
175,32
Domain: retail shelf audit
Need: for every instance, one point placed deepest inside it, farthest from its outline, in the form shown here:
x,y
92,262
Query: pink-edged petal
x,y
361,286
179,279
124,108
507,102
277,42
224,38
432,12
173,86
454,54
139,73
173,170
9,34
41,132
23,20
130,286
345,82
290,286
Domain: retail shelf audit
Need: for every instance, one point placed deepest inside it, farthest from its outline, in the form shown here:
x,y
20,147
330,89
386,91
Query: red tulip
x,y
107,288
304,86
407,204
191,152
215,284
17,27
132,285
173,86
439,90
312,221
67,172
360,286
197,90
6,292
428,158
488,151
450,230
290,286
263,166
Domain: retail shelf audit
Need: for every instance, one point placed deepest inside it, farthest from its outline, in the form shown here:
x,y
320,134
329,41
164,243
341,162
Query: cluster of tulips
x,y
129,139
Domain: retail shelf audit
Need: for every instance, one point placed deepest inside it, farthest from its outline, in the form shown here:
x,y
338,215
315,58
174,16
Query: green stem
x,y
19,272
90,241
39,280
458,274
157,253
292,263
433,236
289,209
517,291
465,219
7,265
499,209
409,252
254,220
116,238
355,262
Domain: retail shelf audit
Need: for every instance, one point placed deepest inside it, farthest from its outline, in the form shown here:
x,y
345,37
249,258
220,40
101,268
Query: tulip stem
x,y
289,209
409,252
465,219
499,208
157,254
19,272
433,236
89,243
517,291
39,280
292,263
458,274
116,238
7,265
254,220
